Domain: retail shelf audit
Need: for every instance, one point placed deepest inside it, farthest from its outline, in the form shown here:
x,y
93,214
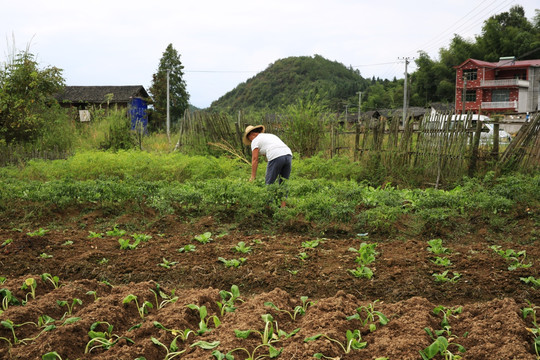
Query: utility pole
x,y
359,103
168,111
405,90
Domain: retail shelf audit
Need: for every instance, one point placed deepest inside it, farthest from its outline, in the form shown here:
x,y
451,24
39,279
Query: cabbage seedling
x,y
203,323
361,271
54,280
93,293
353,341
141,237
443,277
116,232
204,238
45,256
303,256
94,235
187,248
143,309
442,261
370,315
242,248
6,242
74,302
366,253
179,334
32,284
233,262
435,247
40,232
298,310
531,280
172,350
53,355
7,299
167,264
168,299
8,324
440,346
312,244
105,339
229,298
2,279
125,245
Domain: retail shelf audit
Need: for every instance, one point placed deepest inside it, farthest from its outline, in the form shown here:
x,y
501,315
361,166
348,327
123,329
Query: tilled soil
x,y
490,324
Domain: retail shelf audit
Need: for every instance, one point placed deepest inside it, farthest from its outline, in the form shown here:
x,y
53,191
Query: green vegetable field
x,y
136,255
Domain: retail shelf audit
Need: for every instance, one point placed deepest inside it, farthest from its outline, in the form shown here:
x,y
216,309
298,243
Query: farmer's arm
x,y
254,163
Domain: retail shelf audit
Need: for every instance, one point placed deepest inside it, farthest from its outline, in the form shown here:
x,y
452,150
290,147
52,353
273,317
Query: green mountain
x,y
292,78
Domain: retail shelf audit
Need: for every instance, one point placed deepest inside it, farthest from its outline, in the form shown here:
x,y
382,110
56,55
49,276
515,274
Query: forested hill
x,y
287,80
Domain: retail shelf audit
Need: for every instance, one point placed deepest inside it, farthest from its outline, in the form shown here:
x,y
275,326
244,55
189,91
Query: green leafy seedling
x,y
143,309
353,341
126,245
69,306
104,339
312,244
303,256
116,231
369,316
45,256
167,299
203,323
39,232
95,235
173,350
229,298
93,293
361,271
443,277
436,247
298,310
53,355
179,334
187,248
141,237
531,280
232,262
54,280
167,264
442,261
7,299
204,238
10,325
6,242
440,346
366,253
242,248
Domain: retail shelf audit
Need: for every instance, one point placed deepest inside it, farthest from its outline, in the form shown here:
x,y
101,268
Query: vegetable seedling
x,y
531,280
105,339
74,302
125,244
53,355
442,261
6,242
440,346
232,262
298,310
143,309
173,351
179,334
353,342
7,299
8,324
229,299
436,247
303,256
95,235
443,277
45,256
187,248
167,299
370,315
141,237
365,253
54,280
516,258
116,231
69,242
203,323
242,248
31,284
39,232
167,264
93,293
312,244
361,271
204,238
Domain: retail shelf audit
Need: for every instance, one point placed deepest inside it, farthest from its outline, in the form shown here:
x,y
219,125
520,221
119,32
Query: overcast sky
x,y
224,43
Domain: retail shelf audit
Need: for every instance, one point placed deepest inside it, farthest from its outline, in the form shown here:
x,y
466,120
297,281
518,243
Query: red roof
x,y
501,64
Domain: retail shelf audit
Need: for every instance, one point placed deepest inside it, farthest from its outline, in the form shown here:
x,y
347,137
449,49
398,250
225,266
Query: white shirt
x,y
270,145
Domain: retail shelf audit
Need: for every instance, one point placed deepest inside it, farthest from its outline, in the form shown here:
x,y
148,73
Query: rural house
x,y
134,98
508,86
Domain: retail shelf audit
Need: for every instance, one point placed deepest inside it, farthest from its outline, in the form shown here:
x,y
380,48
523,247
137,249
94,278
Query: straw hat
x,y
249,129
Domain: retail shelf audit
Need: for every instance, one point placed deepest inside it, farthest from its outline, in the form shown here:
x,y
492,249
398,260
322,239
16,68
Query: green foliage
x,y
26,94
119,135
178,95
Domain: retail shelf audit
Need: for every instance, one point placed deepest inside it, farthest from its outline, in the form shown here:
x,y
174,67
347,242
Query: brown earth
x,y
490,326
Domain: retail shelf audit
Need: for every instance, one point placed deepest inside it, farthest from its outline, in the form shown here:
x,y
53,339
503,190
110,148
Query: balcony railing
x,y
506,82
500,105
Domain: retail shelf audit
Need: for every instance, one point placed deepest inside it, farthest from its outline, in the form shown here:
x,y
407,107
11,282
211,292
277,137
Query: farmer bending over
x,y
278,154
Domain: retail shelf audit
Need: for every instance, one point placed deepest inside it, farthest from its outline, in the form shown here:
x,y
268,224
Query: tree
x,y
26,94
178,95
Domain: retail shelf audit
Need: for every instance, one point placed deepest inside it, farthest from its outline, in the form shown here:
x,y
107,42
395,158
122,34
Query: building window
x,y
500,95
470,74
470,96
